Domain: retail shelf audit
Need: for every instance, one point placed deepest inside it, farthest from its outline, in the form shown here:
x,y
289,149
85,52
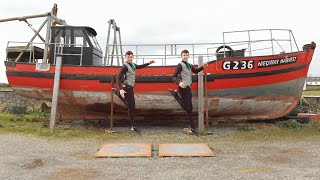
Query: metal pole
x,y
35,31
165,55
33,55
250,53
55,95
224,44
30,53
200,96
115,40
175,49
112,54
106,57
113,46
271,42
193,53
33,37
81,55
117,53
294,41
46,47
136,54
290,41
120,42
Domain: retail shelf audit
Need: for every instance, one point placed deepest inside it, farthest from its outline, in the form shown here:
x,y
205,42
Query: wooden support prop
x,y
55,95
200,96
111,111
206,100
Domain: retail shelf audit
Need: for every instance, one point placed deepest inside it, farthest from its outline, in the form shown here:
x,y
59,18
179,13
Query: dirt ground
x,y
240,155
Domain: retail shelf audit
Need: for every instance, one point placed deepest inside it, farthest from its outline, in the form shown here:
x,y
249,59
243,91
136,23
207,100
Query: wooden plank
x,y
111,110
206,100
200,97
125,150
55,95
198,150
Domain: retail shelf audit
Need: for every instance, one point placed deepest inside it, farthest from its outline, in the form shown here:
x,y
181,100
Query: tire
x,y
227,47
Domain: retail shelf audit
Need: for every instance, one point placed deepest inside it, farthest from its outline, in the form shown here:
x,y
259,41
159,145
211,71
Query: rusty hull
x,y
264,102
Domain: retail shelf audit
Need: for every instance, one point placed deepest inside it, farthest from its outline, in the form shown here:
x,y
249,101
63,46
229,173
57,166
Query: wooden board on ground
x,y
125,150
197,150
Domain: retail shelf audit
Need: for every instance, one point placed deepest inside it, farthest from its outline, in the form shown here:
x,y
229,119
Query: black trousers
x,y
131,103
186,103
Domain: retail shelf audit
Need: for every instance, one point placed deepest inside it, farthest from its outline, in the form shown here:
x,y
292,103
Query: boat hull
x,y
261,92
229,104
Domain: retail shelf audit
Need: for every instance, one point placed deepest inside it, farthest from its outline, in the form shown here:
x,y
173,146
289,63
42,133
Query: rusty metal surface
x,y
125,150
185,150
263,102
313,117
96,105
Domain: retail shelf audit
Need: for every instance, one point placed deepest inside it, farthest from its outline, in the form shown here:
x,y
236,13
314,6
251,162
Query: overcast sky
x,y
168,21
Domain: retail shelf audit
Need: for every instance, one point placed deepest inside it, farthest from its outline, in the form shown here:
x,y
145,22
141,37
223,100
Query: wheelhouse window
x,y
63,37
79,39
94,41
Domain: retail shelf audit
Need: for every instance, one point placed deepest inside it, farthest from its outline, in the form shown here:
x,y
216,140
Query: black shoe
x,y
119,95
135,129
195,132
173,92
175,95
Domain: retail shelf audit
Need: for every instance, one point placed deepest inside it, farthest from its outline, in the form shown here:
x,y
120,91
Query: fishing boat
x,y
241,82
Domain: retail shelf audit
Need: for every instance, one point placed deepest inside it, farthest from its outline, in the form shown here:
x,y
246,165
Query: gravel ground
x,y
32,157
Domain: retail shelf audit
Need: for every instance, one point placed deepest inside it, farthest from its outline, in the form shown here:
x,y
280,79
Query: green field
x,y
5,89
313,88
311,93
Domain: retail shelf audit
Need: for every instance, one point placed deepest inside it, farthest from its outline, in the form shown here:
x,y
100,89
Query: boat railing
x,y
247,45
270,37
33,48
58,51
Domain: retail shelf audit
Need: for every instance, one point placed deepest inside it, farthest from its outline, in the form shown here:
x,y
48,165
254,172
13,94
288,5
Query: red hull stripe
x,y
151,79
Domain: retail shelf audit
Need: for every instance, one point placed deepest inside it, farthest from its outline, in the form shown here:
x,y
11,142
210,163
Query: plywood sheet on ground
x,y
185,150
125,150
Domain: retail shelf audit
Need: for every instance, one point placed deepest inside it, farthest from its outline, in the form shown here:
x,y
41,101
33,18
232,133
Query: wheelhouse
x,y
76,44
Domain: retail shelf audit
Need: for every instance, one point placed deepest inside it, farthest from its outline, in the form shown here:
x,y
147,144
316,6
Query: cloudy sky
x,y
168,21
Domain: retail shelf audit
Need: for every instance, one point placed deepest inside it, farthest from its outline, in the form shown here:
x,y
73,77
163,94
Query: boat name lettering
x,y
237,65
276,62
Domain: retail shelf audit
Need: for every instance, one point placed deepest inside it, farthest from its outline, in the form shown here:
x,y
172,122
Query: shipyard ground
x,y
283,150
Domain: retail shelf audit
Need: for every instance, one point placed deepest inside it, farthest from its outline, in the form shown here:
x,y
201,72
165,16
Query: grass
x,y
38,124
246,128
291,124
311,93
28,123
286,130
5,89
313,88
